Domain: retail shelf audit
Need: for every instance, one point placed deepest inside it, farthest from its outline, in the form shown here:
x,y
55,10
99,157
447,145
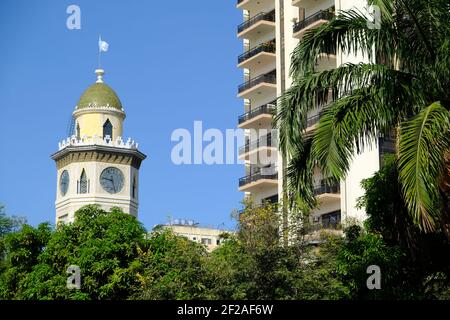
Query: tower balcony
x,y
262,54
313,21
264,84
259,117
265,144
262,23
327,192
262,178
106,141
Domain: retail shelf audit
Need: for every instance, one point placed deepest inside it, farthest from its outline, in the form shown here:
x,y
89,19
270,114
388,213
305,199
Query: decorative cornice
x,y
92,108
99,150
96,140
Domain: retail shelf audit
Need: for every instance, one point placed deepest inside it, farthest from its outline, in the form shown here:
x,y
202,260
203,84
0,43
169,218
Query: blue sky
x,y
171,63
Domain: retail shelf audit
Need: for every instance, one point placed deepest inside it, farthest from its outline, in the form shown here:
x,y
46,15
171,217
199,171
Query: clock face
x,y
111,180
64,182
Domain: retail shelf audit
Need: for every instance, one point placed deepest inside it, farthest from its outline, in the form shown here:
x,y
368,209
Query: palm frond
x,y
423,141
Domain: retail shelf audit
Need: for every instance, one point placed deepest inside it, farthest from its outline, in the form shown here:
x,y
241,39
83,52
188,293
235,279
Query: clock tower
x,y
95,165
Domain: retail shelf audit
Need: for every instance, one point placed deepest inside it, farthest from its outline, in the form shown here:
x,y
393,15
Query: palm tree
x,y
405,86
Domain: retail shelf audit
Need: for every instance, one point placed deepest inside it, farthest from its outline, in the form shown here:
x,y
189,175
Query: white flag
x,y
102,45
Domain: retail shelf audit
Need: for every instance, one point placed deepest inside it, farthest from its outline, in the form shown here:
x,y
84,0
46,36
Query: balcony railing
x,y
264,141
330,220
310,121
387,143
268,47
273,204
327,188
257,176
263,16
268,78
321,15
269,108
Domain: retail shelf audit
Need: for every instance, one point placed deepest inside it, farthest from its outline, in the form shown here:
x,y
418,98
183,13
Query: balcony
x,y
296,3
265,144
327,191
330,220
254,5
260,24
312,121
314,21
329,223
263,54
264,84
326,60
259,180
267,202
386,145
259,117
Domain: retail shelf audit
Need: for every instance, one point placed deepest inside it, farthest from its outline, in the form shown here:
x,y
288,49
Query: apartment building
x,y
270,31
210,237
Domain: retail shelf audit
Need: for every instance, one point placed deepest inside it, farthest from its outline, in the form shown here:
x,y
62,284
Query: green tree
x,y
22,252
405,86
256,264
424,267
103,244
9,224
171,267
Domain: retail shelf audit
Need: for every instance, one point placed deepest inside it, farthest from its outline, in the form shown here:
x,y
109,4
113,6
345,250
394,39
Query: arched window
x,y
107,129
134,187
83,183
78,131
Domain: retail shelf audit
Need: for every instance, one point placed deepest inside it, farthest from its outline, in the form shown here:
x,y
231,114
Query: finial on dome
x,y
99,73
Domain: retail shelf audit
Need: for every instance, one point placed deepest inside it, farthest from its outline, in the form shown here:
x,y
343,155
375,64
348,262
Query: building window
x,y
83,183
78,131
107,129
206,241
134,188
272,199
217,241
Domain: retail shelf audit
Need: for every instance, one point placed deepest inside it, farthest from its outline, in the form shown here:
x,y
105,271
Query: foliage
x,y
102,244
367,249
22,252
393,90
7,225
171,267
254,264
426,256
119,260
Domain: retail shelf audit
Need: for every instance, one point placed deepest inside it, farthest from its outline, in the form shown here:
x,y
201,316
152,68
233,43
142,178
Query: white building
x,y
95,166
209,237
270,32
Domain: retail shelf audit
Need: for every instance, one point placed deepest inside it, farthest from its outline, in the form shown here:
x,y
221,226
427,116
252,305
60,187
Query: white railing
x,y
73,141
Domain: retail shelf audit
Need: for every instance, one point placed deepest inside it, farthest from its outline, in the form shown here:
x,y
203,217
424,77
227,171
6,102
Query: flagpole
x,y
99,50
